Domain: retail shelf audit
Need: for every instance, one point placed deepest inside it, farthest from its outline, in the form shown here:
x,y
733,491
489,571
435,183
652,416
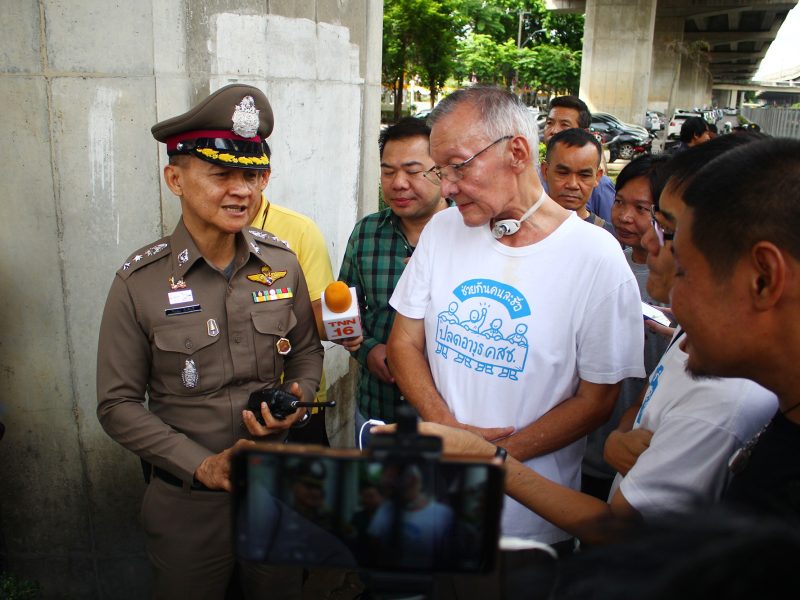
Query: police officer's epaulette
x,y
144,256
265,237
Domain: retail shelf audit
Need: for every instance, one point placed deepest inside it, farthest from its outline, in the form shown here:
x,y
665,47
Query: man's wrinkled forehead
x,y
456,133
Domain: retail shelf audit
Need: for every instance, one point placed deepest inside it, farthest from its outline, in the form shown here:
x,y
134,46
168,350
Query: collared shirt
x,y
373,262
177,332
602,199
306,241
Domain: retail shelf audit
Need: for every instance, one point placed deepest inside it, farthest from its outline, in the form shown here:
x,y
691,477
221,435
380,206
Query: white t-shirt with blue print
x,y
510,331
697,425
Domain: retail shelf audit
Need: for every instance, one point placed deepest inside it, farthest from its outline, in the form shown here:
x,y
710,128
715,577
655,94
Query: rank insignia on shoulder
x,y
144,256
267,276
276,294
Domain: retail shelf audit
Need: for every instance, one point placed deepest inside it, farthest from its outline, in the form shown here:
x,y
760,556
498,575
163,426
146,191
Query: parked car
x,y
623,140
654,120
675,123
423,114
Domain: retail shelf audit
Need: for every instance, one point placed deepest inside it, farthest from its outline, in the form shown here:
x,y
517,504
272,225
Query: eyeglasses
x,y
453,173
390,175
662,235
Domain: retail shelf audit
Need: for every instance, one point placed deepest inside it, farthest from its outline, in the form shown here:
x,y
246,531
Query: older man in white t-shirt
x,y
516,319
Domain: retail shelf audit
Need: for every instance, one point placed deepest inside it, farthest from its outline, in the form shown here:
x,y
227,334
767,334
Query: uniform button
x,y
237,339
189,345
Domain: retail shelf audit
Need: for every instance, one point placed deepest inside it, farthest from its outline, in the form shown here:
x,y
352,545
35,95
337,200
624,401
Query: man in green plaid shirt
x,y
377,252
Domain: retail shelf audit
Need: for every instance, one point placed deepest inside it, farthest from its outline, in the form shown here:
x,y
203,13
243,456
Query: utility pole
x,y
521,14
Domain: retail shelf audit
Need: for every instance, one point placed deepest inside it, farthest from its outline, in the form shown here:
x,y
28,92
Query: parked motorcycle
x,y
628,146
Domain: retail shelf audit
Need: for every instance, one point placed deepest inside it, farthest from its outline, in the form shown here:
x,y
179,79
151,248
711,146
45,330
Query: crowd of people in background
x,y
501,299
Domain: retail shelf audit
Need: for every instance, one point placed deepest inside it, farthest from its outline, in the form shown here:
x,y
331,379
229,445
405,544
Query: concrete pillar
x,y
694,87
666,62
82,83
617,48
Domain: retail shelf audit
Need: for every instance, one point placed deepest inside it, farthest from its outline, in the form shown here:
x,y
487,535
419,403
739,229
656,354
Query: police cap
x,y
229,128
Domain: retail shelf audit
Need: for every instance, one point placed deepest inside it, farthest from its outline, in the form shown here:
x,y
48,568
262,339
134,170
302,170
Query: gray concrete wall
x,y
82,81
694,88
666,63
617,46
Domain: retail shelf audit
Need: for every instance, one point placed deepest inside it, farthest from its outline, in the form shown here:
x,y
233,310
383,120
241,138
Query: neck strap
x,y
511,226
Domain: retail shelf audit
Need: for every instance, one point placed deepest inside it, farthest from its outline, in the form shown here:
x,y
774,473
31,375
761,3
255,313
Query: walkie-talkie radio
x,y
281,404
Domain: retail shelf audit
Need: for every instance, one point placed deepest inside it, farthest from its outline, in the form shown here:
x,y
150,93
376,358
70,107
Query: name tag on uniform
x,y
180,296
182,310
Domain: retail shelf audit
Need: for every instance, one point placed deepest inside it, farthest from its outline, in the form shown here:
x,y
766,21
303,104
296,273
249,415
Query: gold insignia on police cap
x,y
245,118
228,128
267,276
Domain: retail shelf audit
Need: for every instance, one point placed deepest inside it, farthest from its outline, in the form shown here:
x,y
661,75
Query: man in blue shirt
x,y
568,112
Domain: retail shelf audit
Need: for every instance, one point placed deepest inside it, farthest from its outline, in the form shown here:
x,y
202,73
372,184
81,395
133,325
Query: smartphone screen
x,y
348,511
651,312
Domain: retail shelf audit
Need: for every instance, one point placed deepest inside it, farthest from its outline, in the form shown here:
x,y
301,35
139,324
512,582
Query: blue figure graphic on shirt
x,y
493,332
490,348
475,320
650,391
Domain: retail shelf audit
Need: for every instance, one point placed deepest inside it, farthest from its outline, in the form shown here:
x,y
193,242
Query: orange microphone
x,y
340,314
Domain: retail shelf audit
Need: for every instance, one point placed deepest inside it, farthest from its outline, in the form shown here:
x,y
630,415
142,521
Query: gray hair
x,y
501,113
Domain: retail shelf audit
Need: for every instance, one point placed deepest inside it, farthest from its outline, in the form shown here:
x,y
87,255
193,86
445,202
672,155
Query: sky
x,y
782,53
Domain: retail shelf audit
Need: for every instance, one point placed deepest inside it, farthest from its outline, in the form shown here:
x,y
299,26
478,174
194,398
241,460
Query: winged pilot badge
x,y
267,276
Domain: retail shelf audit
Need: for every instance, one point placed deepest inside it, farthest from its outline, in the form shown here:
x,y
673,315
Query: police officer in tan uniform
x,y
194,323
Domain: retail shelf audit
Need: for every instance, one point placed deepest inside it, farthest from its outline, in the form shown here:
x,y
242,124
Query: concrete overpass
x,y
783,93
662,54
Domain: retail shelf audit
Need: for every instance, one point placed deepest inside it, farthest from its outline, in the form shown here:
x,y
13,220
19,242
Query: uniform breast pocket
x,y
186,360
269,326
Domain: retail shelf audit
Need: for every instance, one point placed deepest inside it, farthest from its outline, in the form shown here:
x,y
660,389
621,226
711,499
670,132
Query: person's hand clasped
x,y
271,424
490,434
623,449
378,365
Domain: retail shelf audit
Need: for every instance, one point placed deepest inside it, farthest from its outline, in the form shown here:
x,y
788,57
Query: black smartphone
x,y
340,508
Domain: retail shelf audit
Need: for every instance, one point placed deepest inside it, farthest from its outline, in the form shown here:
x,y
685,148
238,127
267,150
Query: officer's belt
x,y
169,478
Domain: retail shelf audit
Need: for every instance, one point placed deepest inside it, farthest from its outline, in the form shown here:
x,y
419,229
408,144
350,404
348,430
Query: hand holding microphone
x,y
340,314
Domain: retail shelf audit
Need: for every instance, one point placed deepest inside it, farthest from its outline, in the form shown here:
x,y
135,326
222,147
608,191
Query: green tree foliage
x,y
433,53
519,42
504,42
419,37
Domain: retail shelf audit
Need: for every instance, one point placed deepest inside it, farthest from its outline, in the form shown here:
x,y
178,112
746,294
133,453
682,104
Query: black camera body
x,y
303,505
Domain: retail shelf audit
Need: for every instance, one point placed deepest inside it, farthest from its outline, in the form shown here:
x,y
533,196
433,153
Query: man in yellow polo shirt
x,y
306,241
